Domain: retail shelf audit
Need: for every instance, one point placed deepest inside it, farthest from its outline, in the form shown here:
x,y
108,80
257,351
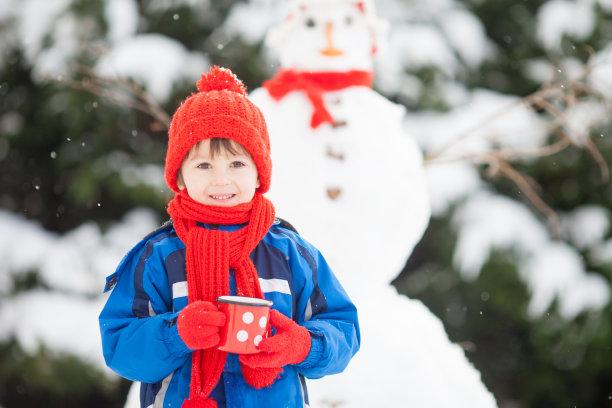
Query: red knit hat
x,y
220,109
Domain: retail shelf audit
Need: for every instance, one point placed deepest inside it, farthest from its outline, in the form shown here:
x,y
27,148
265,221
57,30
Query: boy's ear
x,y
179,181
258,183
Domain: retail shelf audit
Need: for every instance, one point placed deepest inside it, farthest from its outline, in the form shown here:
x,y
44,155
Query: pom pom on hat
x,y
221,109
220,79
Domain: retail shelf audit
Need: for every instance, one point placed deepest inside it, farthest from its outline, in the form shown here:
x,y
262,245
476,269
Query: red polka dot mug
x,y
247,323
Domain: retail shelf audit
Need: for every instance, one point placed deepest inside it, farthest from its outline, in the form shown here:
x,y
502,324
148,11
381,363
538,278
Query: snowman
x,y
338,147
352,182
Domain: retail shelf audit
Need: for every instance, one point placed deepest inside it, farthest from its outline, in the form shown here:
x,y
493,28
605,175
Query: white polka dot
x,y
262,322
242,336
257,339
248,317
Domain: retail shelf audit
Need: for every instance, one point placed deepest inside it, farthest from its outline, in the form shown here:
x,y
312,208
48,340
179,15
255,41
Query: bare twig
x,y
526,186
120,91
504,154
430,157
599,159
553,99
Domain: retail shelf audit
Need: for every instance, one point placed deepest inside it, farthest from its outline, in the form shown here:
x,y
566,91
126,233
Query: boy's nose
x,y
220,178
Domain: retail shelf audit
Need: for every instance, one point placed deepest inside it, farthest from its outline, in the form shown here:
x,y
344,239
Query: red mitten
x,y
199,324
290,344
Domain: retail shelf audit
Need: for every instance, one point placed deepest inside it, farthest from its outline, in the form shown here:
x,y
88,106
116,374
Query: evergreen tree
x,y
525,360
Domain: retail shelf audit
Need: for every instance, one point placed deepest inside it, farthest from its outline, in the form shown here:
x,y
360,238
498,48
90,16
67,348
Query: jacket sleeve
x,y
140,340
325,309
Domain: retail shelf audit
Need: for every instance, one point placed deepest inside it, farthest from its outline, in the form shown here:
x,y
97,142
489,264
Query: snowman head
x,y
329,35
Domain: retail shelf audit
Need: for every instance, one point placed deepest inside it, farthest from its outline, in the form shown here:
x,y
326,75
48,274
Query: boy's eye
x,y
237,164
204,166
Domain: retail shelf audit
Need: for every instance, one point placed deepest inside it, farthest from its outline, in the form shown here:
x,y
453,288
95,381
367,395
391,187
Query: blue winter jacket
x,y
141,341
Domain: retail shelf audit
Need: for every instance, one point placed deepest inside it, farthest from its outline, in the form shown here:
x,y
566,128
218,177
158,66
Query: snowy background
x,y
61,311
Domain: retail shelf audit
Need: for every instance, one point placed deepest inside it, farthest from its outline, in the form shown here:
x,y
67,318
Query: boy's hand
x,y
199,324
290,344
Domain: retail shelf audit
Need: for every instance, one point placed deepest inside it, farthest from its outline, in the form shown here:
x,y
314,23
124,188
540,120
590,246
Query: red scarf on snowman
x,y
315,84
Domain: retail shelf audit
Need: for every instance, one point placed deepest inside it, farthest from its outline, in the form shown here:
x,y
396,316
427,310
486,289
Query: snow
x,y
487,222
76,262
35,18
552,270
605,4
428,373
260,18
557,271
481,122
63,323
421,45
168,61
586,225
53,60
582,117
151,175
465,181
575,19
122,16
601,78
74,265
152,59
465,33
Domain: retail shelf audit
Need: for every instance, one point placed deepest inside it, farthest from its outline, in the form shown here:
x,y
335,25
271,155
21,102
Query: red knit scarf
x,y
314,84
209,256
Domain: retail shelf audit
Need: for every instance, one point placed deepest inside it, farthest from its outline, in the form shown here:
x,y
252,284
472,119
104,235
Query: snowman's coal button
x,y
333,193
334,154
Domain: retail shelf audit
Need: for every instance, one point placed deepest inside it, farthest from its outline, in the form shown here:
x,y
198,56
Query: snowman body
x,y
355,187
357,191
361,179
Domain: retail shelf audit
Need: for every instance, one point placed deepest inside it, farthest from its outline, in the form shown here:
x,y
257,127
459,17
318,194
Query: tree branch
x,y
120,91
554,99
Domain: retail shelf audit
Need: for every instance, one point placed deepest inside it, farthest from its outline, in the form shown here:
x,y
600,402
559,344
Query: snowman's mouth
x,y
332,52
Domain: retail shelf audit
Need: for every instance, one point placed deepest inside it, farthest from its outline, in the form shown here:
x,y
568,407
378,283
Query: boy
x,y
161,324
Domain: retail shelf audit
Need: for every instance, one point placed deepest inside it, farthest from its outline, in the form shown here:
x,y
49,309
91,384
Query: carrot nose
x,y
330,51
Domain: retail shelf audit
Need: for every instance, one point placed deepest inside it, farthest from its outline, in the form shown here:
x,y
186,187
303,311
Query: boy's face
x,y
222,180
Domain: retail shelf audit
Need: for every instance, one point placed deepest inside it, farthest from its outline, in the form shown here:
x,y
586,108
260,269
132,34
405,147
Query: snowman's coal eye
x,y
310,22
348,20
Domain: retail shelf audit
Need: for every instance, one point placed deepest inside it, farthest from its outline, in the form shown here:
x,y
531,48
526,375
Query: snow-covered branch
x,y
569,109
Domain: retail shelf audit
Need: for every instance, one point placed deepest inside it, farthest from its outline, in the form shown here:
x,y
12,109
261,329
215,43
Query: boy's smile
x,y
223,179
